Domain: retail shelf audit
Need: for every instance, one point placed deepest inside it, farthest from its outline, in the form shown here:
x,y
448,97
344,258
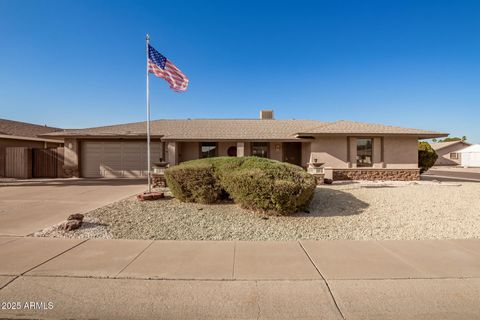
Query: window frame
x,y
252,146
456,157
214,144
372,139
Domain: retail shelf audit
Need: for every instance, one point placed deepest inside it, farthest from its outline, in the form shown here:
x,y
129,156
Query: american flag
x,y
164,68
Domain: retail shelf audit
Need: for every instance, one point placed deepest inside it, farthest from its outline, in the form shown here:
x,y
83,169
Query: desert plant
x,y
254,183
426,156
194,183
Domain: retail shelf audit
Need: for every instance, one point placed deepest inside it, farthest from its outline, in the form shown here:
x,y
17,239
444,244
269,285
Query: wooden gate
x,y
18,162
47,163
2,161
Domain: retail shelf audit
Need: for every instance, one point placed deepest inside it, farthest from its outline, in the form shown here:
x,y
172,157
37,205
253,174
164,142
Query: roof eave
x,y
107,136
376,134
7,136
286,139
452,144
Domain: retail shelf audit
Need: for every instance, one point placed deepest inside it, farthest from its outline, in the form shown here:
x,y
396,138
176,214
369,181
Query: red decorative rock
x,y
75,216
150,196
71,225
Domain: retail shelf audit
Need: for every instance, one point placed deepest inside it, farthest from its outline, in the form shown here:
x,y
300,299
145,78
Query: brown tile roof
x,y
201,129
23,129
245,129
441,145
344,127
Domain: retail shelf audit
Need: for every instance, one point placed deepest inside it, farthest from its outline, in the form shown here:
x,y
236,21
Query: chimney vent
x,y
266,114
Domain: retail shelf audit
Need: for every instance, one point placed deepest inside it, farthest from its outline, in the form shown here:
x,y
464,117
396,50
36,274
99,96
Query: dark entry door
x,y
292,153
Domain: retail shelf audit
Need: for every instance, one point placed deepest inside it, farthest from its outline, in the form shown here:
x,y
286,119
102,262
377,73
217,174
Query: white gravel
x,y
393,210
91,228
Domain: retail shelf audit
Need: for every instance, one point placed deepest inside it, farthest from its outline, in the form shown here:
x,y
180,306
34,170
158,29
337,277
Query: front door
x,y
292,153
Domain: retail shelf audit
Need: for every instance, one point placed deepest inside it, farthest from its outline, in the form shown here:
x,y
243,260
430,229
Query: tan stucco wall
x,y
71,157
191,150
329,150
377,153
223,148
444,155
306,149
276,151
352,160
188,151
172,152
401,152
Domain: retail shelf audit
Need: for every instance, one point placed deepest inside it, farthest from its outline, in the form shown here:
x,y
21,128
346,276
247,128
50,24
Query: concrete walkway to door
x,y
139,279
30,205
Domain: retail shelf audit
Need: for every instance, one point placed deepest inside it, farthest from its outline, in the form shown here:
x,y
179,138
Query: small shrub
x,y
194,183
426,156
254,183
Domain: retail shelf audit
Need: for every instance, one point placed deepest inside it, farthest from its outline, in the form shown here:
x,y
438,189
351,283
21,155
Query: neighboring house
x,y
354,150
470,156
21,134
447,152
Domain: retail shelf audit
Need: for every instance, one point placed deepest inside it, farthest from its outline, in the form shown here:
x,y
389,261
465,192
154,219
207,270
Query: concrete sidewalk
x,y
136,279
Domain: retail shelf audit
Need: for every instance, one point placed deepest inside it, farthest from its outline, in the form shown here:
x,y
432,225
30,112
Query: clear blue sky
x,y
82,63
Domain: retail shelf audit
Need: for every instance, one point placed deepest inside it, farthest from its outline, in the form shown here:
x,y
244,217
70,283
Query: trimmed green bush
x,y
254,183
426,156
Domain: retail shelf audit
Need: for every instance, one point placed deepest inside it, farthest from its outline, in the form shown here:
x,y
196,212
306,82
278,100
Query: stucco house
x,y
350,150
448,152
22,134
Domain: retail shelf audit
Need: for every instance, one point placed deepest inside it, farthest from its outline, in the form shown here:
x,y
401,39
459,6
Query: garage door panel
x,y
133,154
117,159
91,159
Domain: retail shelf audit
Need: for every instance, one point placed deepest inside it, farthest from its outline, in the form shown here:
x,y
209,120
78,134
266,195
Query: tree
x,y
426,156
449,139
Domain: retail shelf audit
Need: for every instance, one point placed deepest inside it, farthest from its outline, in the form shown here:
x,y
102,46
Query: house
x,y
470,156
447,152
21,134
351,150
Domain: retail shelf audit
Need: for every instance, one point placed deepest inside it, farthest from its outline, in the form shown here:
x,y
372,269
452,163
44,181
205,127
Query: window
x,y
454,155
260,149
364,153
208,149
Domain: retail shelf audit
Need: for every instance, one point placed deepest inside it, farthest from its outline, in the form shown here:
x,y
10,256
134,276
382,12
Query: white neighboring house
x,y
448,152
470,156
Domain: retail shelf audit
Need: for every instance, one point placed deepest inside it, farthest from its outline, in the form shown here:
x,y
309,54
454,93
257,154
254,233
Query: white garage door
x,y
117,159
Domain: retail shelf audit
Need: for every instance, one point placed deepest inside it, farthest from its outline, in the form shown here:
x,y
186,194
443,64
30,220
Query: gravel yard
x,y
344,211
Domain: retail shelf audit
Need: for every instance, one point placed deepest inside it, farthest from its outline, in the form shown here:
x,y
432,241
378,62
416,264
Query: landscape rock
x,y
150,196
75,216
72,225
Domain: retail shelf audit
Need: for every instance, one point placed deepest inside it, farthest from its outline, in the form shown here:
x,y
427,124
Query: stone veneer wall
x,y
377,174
70,172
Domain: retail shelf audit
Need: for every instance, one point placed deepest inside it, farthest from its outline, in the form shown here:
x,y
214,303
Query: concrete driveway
x,y
26,207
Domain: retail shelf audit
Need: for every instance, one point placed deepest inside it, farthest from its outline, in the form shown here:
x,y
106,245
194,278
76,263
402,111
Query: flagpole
x,y
147,40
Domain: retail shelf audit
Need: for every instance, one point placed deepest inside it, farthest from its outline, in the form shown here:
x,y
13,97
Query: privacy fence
x,y
25,163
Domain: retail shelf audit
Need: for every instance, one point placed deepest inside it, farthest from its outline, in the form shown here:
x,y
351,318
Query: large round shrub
x,y
254,183
426,156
